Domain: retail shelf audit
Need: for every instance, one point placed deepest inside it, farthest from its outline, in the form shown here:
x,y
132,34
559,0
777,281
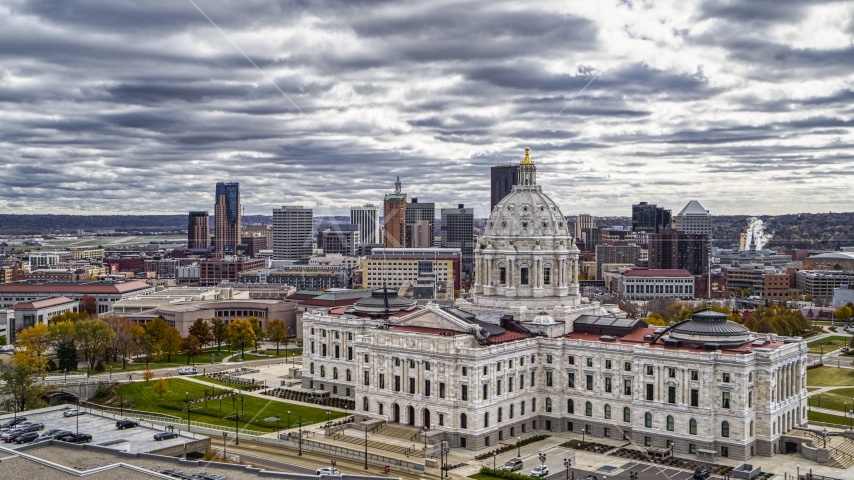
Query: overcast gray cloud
x,y
121,106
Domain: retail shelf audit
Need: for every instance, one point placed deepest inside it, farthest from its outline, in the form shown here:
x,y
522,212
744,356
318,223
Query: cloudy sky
x,y
127,106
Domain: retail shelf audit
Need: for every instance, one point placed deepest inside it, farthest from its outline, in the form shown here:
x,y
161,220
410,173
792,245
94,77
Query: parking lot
x,y
620,470
104,432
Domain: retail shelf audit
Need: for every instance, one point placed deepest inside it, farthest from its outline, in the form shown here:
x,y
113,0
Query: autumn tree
x,y
241,334
32,346
92,336
202,331
69,316
277,332
259,332
160,387
20,382
61,336
155,331
191,346
88,305
843,313
147,374
171,342
655,320
128,337
219,331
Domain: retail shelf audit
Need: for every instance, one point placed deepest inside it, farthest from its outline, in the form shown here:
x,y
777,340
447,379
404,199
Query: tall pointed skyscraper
x,y
227,219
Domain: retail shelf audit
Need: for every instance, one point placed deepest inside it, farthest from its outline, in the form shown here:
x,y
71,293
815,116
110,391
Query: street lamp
x,y
798,466
425,440
236,418
327,416
366,448
494,454
277,424
289,419
111,372
78,417
122,405
567,463
224,436
519,447
300,441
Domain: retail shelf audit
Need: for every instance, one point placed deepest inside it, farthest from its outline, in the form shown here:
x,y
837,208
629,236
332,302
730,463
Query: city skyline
x,y
122,108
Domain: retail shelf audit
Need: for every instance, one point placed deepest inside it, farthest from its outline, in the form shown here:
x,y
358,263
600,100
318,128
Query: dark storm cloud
x,y
104,102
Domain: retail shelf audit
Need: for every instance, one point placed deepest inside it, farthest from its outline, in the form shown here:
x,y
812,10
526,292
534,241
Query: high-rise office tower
x,y
198,231
458,232
227,219
339,238
649,218
694,219
582,222
420,221
292,233
672,249
394,218
502,177
367,217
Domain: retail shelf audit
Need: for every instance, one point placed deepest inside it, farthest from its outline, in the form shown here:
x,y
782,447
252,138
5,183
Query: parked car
x,y
11,432
165,435
14,421
27,437
590,477
72,413
54,434
51,432
512,465
702,474
327,471
76,438
123,424
11,438
540,471
33,427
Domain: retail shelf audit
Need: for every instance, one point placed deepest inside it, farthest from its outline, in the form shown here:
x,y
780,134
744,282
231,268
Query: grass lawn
x,y
830,344
218,382
143,398
830,377
826,418
483,476
836,399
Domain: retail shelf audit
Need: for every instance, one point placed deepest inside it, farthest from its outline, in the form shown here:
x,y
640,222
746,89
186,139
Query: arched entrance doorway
x,y
410,415
395,412
427,418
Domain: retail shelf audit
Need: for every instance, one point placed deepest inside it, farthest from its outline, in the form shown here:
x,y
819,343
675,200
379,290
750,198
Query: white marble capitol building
x,y
527,353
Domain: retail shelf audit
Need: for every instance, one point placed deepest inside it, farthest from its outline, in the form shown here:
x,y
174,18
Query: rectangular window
x,y
312,346
725,399
627,366
523,276
647,441
441,419
607,364
510,385
522,409
502,273
412,364
382,380
695,375
396,362
548,379
367,377
498,387
485,370
350,353
570,380
650,370
692,448
671,394
521,361
337,351
547,276
397,383
533,379
485,391
521,380
464,393
367,358
427,366
412,386
549,359
426,388
750,399
498,367
607,384
510,363
725,451
571,360
465,371
589,361
627,387
671,372
607,432
589,382
650,391
695,398
725,378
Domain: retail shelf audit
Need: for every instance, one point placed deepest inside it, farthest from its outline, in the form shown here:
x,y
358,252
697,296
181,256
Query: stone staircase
x,y
389,447
396,430
843,452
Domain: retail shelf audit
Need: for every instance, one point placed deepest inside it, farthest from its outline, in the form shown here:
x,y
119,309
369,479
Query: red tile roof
x,y
60,288
43,303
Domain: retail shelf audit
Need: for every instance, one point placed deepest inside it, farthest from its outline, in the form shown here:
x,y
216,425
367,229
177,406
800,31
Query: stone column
x,y
511,266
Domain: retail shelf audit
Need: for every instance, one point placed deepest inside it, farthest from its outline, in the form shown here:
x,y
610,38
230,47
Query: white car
x,y
327,471
185,370
540,471
72,413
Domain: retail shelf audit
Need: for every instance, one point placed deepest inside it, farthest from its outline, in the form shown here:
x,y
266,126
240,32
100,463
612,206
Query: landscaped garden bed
x,y
511,446
687,464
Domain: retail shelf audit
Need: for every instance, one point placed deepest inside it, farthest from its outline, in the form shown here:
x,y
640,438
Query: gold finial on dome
x,y
527,160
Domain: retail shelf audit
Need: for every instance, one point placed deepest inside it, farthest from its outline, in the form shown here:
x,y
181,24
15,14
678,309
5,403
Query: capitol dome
x,y
710,328
526,256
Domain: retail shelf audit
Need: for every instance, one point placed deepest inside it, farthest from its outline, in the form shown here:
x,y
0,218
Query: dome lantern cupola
x,y
527,171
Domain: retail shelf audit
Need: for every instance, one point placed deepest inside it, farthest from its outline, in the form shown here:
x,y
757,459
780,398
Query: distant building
x,y
458,232
292,232
397,266
420,221
44,259
265,231
649,218
831,261
365,249
583,222
818,283
104,293
694,219
671,249
251,245
27,314
650,284
87,253
339,238
619,254
198,231
394,218
215,270
842,296
502,180
181,315
302,277
227,217
367,217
